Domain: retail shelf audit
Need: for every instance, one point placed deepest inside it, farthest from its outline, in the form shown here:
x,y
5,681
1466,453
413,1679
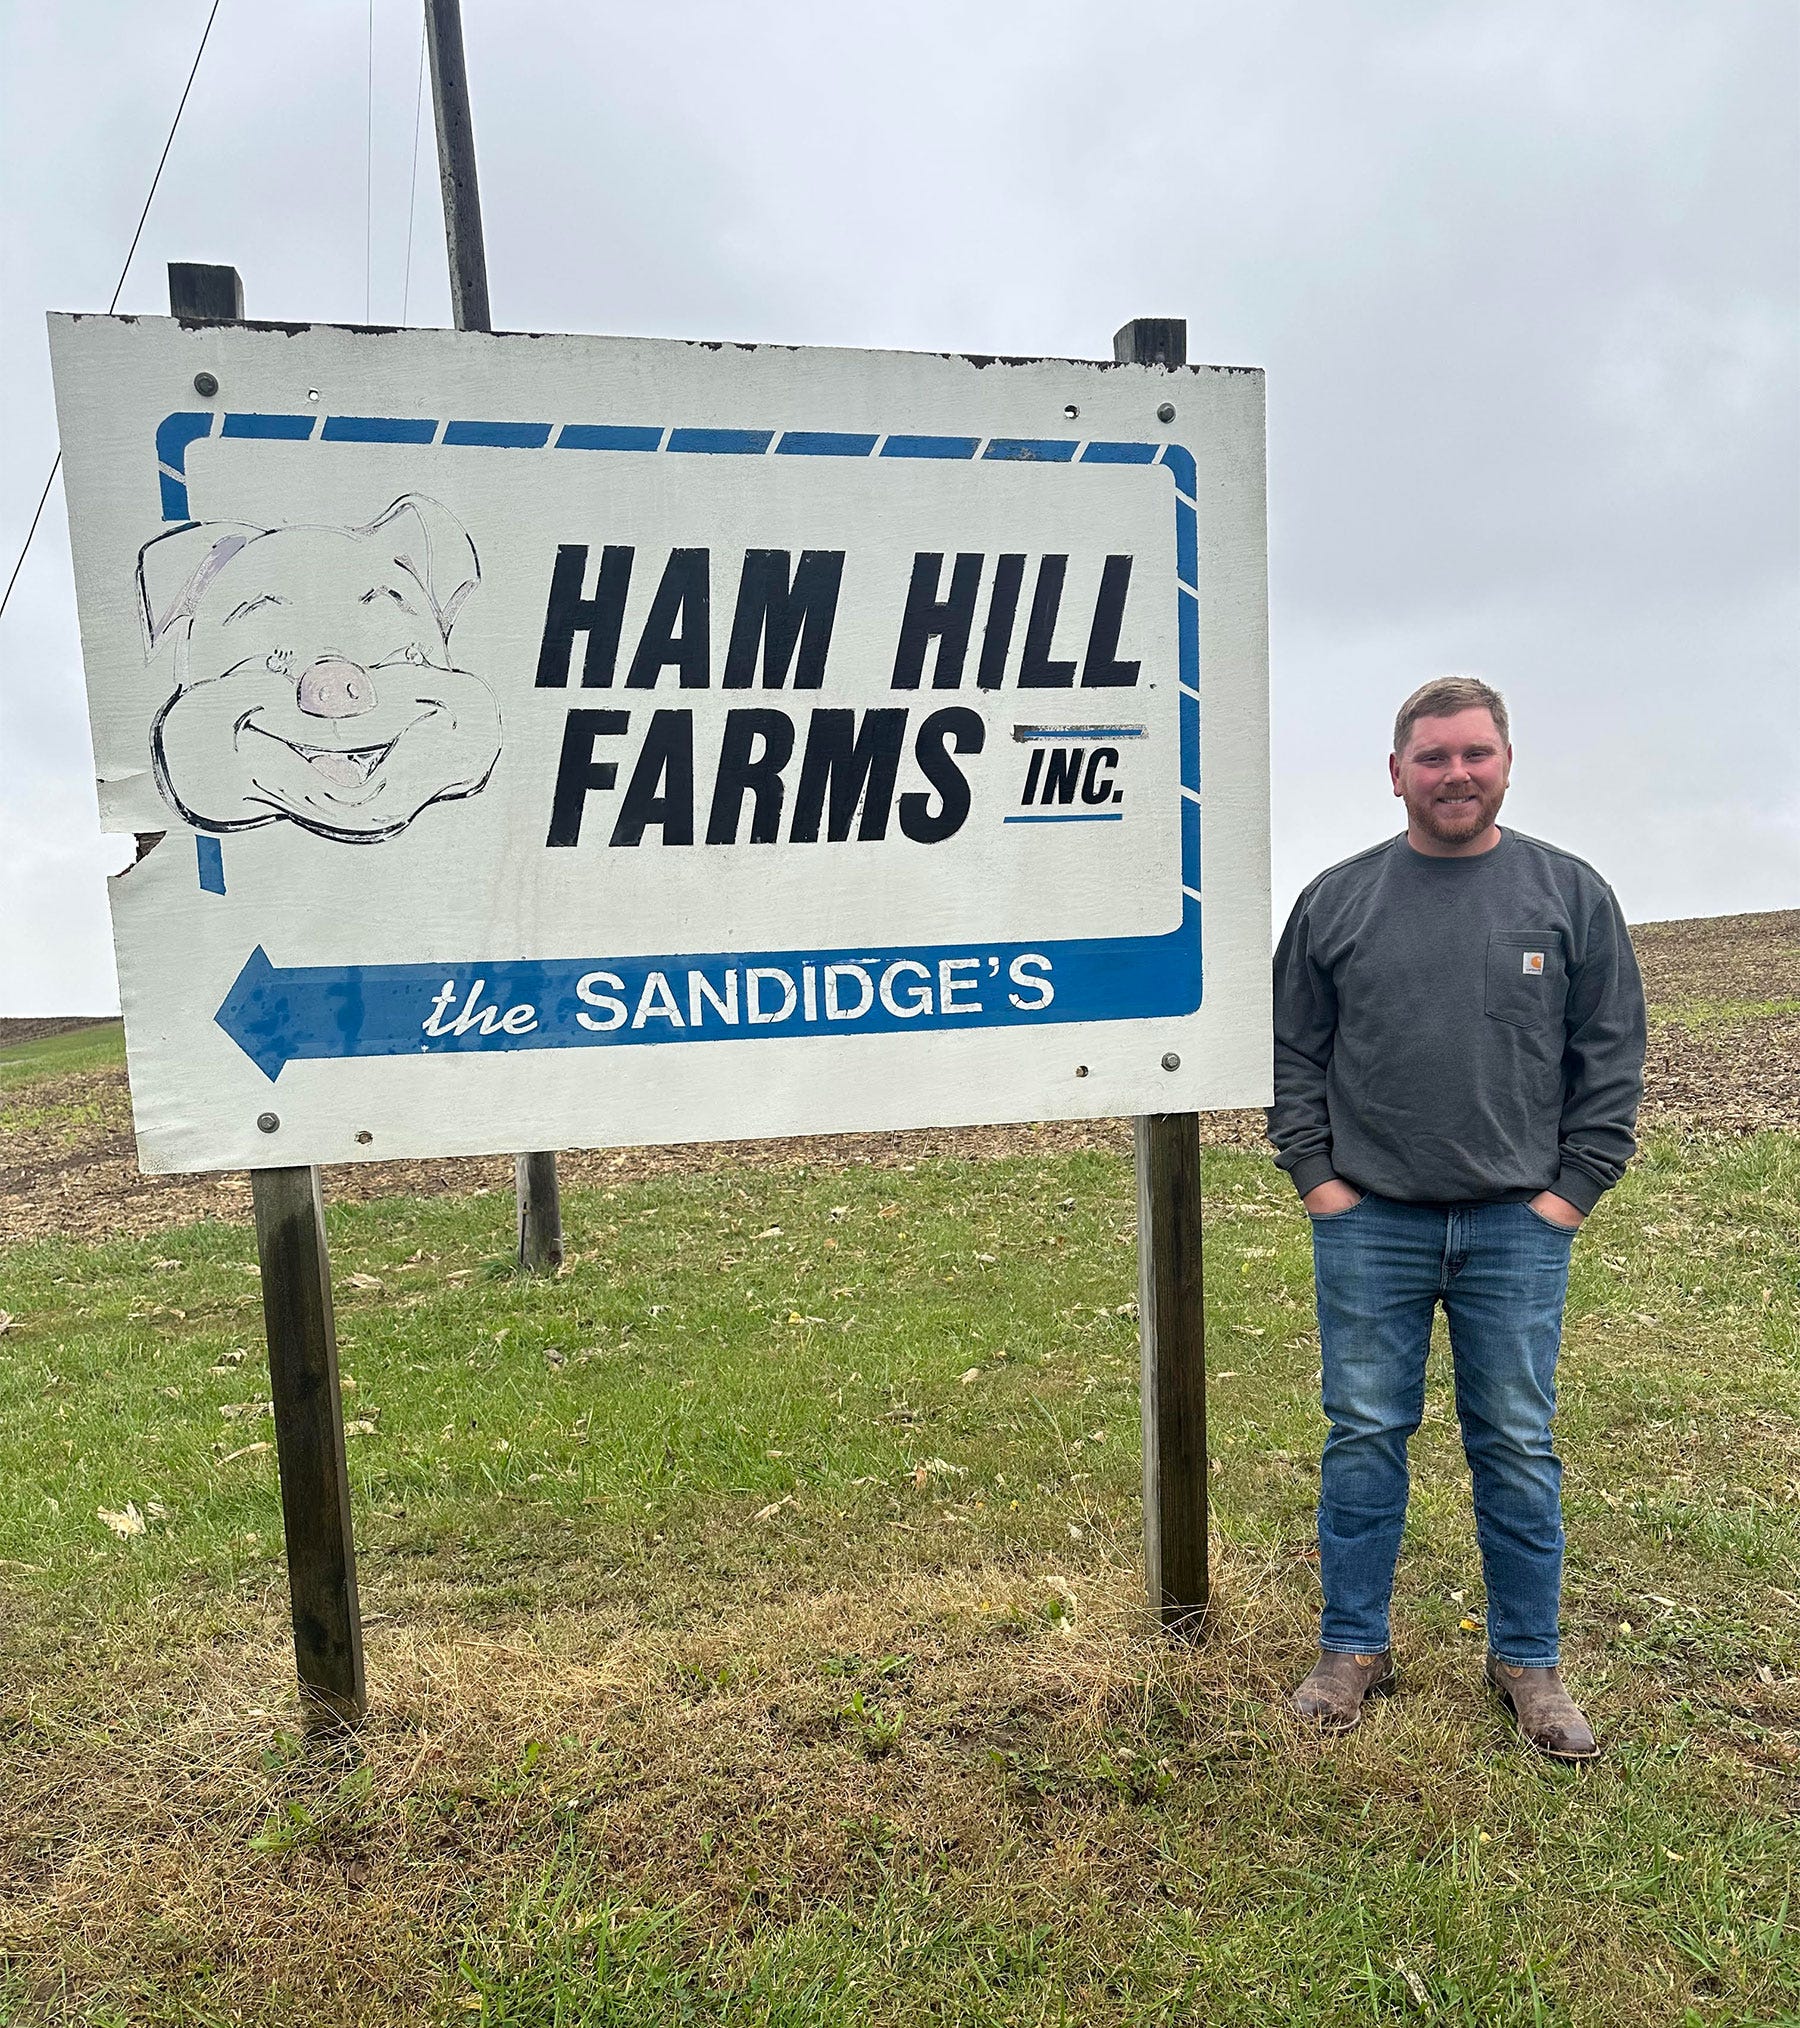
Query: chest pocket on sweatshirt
x,y
1527,979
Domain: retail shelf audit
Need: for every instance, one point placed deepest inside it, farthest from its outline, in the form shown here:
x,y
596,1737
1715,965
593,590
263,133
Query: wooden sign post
x,y
309,1440
540,1234
298,1321
1171,1285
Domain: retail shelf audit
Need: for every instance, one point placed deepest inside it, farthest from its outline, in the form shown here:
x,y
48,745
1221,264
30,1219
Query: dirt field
x,y
1721,957
1724,1057
40,1027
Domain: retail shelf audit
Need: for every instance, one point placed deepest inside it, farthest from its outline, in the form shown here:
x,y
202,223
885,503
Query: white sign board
x,y
580,741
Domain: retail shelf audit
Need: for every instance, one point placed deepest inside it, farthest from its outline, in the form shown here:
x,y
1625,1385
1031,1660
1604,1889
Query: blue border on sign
x,y
177,431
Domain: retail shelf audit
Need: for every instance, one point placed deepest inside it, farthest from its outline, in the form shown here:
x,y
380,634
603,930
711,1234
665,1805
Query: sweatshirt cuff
x,y
1312,1171
1577,1187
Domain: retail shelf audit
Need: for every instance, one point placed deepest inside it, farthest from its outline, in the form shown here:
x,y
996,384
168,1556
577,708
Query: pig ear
x,y
174,569
434,549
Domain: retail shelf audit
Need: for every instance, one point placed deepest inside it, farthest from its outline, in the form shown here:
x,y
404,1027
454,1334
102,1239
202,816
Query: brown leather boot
x,y
1546,1715
1332,1696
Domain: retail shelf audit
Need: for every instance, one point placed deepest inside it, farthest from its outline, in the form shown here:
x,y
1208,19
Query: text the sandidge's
x,y
720,995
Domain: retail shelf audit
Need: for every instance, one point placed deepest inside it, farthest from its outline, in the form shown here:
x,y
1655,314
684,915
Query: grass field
x,y
754,1630
85,1049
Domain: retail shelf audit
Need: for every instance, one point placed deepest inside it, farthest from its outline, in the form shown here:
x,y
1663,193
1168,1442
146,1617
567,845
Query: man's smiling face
x,y
316,683
1452,778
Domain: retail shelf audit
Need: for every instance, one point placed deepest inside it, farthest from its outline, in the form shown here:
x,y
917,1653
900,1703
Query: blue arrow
x,y
277,1013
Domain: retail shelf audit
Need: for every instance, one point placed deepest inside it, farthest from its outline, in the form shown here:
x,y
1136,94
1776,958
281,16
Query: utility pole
x,y
1171,1284
540,1206
456,166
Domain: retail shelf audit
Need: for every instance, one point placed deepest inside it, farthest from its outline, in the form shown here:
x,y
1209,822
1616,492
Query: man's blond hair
x,y
1443,697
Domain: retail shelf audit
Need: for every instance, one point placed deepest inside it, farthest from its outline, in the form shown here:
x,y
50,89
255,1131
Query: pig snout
x,y
333,687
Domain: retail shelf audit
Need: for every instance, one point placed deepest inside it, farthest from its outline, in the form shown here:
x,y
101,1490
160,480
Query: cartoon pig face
x,y
313,672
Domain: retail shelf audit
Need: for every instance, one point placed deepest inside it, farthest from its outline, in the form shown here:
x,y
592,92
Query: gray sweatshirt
x,y
1455,1031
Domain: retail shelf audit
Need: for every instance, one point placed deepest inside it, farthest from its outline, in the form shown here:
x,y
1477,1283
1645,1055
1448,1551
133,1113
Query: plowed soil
x,y
1720,957
1724,1057
15,1029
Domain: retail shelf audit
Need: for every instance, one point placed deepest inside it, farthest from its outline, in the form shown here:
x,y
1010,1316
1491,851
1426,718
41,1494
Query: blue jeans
x,y
1501,1272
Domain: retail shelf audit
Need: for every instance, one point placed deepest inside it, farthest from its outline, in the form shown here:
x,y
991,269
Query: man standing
x,y
1459,1051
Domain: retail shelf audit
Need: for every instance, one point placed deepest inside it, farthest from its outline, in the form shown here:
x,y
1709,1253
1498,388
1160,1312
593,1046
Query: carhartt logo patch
x,y
1534,964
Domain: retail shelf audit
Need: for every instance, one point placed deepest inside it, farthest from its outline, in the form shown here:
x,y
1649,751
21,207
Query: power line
x,y
193,73
369,182
55,466
412,189
118,288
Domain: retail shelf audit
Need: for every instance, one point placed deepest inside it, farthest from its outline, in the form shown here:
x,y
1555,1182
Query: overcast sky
x,y
1525,279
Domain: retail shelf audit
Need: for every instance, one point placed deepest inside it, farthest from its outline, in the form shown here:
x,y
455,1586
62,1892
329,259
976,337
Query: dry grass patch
x,y
987,1743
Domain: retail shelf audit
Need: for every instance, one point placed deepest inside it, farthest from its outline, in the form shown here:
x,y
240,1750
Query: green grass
x,y
54,1055
1701,1014
753,1634
713,1323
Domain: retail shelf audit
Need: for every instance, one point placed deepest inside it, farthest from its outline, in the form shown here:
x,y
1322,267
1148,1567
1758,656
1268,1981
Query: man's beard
x,y
1457,823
